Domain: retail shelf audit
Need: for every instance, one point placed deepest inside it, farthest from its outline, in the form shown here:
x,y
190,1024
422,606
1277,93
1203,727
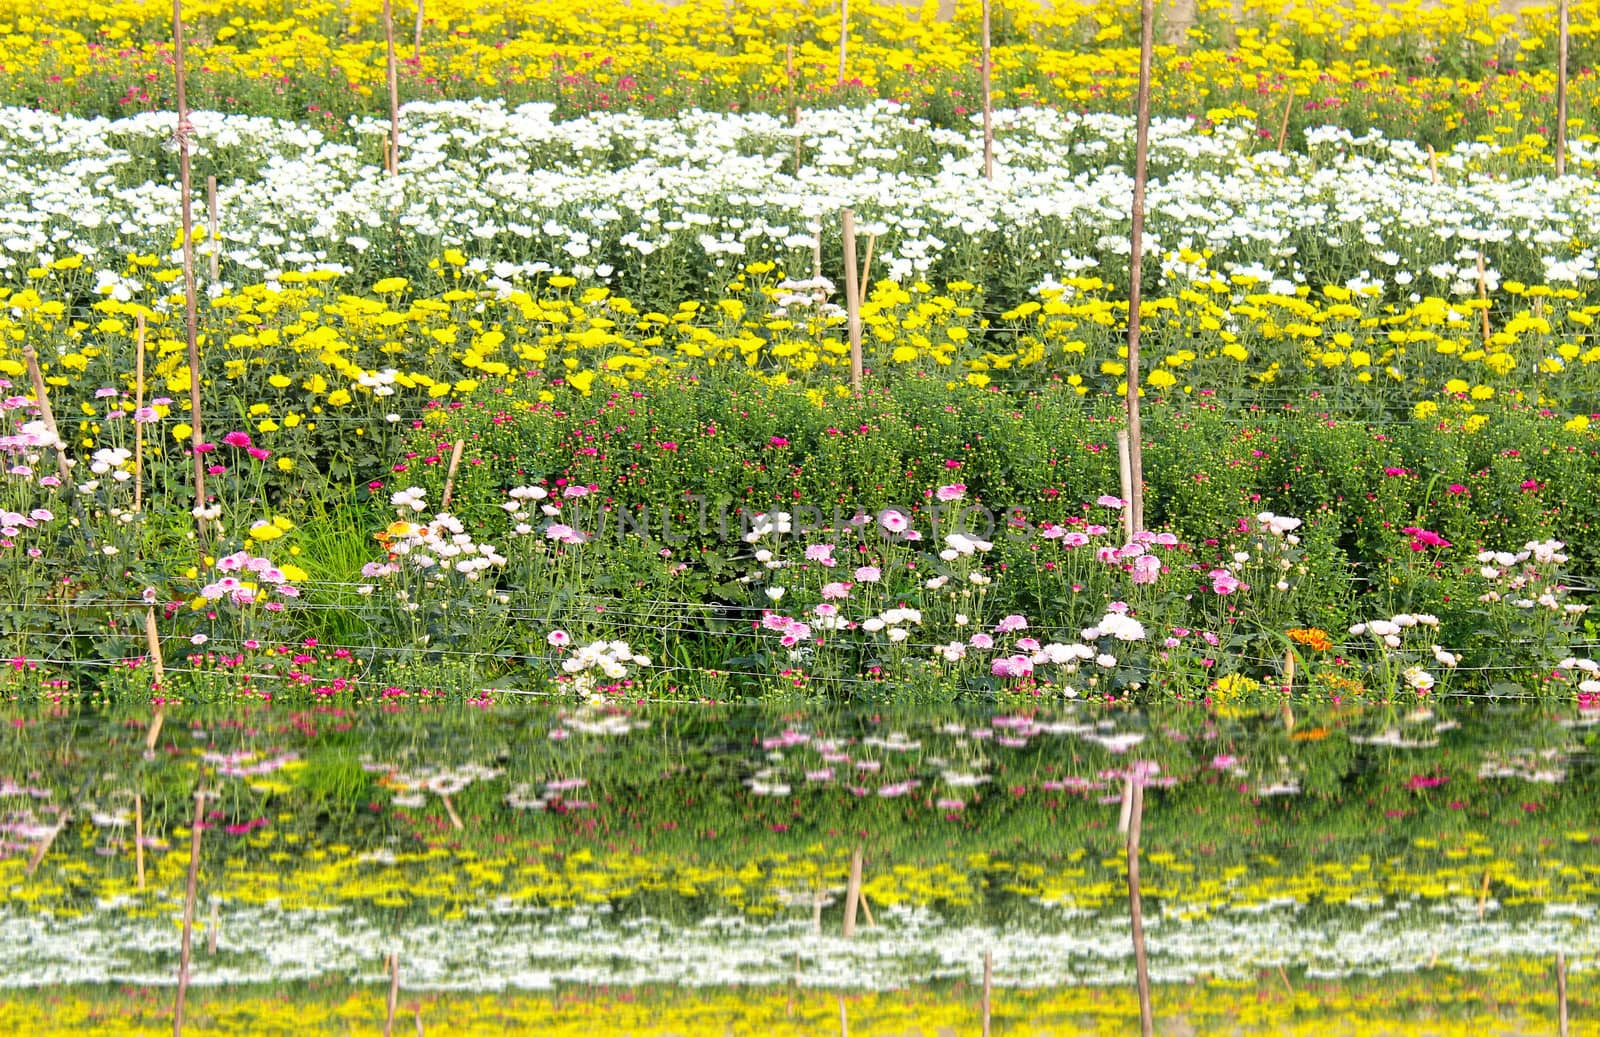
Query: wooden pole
x,y
816,255
153,640
44,848
852,894
188,912
1483,293
450,476
1288,689
866,909
1561,993
852,297
394,992
450,809
988,988
1141,148
393,163
417,1014
416,59
1433,165
1141,964
215,258
1283,126
1562,35
138,838
844,36
988,101
138,405
866,271
42,397
844,1020
212,926
190,303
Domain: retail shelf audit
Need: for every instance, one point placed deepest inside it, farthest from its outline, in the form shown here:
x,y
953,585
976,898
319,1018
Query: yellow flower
x,y
1577,424
389,285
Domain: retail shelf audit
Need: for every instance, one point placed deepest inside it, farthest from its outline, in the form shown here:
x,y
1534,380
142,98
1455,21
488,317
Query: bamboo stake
x,y
988,101
394,992
1126,817
866,271
417,1014
988,988
852,296
1433,165
844,1020
188,912
1125,471
138,405
392,160
866,909
416,59
212,925
1283,126
450,809
844,36
1141,149
36,376
816,256
450,476
1283,974
1562,35
1288,689
138,838
215,258
153,639
852,895
1483,895
1561,993
1136,912
190,303
1483,293
794,109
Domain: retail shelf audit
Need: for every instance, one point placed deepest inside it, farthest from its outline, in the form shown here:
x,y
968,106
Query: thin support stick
x,y
1287,687
844,36
1562,36
1141,149
852,894
844,1020
42,398
138,838
1483,294
450,809
215,258
213,926
1483,895
1433,165
393,163
1561,993
138,405
1125,471
416,59
988,100
1141,964
44,848
190,299
1283,126
852,296
394,992
988,988
450,476
188,912
816,256
416,1013
1125,818
866,909
866,270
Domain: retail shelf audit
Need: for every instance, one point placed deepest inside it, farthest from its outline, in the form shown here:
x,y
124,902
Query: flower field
x,y
509,575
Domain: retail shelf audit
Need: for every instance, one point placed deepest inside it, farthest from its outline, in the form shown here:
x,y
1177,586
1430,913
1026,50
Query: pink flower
x,y
820,553
836,591
952,492
778,441
1223,581
558,639
1146,569
1396,471
981,640
1105,500
1012,666
893,521
869,574
1456,488
237,439
259,454
1010,623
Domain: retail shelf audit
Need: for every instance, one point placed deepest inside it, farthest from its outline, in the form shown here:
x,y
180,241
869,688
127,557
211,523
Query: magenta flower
x,y
237,439
1223,581
953,492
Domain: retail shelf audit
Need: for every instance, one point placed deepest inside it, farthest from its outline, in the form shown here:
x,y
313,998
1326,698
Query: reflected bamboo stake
x,y
450,476
852,894
1141,964
188,912
190,300
1288,689
988,988
844,36
1562,35
1141,152
211,227
1433,165
1125,471
1561,993
1483,294
866,271
1126,817
392,159
138,405
394,992
153,639
42,398
44,848
138,838
852,296
213,925
450,809
1483,895
988,101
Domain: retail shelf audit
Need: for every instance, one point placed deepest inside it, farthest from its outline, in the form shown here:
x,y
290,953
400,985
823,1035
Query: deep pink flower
x,y
237,439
